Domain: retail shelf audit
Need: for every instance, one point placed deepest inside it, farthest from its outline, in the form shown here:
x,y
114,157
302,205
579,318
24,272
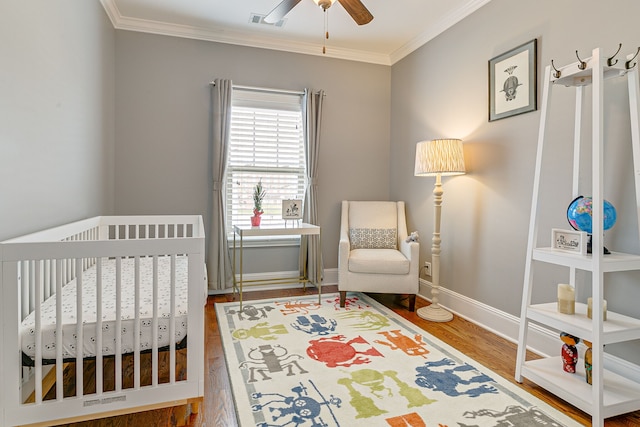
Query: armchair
x,y
373,254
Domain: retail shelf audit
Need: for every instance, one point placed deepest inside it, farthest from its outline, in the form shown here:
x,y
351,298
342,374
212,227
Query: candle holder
x,y
566,299
590,308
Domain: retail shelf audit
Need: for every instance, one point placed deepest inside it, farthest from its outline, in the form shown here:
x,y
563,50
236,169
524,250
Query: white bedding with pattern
x,y
69,318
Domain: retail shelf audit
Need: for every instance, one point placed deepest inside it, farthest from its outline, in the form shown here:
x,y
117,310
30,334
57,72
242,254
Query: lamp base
x,y
604,249
434,313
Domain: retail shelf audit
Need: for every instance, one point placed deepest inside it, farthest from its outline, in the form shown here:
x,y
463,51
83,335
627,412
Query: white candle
x,y
566,299
590,308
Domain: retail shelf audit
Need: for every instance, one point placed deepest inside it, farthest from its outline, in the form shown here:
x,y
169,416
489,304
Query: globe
x,y
579,214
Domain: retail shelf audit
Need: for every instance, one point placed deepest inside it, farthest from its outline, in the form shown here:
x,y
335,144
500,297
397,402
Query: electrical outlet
x,y
427,268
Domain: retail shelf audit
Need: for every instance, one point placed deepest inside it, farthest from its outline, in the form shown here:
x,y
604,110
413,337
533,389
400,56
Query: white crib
x,y
105,291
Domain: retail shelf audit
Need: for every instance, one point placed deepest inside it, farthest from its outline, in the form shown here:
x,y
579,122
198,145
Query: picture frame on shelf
x,y
513,87
292,209
569,241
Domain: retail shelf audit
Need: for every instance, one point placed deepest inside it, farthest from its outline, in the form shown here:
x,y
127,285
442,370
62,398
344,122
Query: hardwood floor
x,y
217,409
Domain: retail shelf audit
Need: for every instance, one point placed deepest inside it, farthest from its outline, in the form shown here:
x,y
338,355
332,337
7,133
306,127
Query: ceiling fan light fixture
x,y
324,4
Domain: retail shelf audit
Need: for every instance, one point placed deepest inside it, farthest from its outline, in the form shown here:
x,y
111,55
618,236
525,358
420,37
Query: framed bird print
x,y
513,82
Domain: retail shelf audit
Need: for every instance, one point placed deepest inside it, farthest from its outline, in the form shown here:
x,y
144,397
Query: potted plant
x,y
258,196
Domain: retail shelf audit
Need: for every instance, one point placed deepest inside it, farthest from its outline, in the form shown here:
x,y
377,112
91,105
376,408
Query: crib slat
x,y
47,280
136,327
79,330
118,329
24,287
85,261
38,330
32,286
154,352
59,366
99,340
65,270
172,322
52,277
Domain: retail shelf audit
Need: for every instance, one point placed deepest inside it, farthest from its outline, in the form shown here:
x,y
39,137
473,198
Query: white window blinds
x,y
266,143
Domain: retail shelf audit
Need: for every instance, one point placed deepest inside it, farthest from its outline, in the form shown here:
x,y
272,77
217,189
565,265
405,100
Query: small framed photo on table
x,y
513,82
292,209
569,241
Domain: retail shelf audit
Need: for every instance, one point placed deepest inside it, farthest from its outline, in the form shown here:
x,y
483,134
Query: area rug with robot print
x,y
294,362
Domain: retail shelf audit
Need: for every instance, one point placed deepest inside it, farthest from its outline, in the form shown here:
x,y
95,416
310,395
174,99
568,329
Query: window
x,y
266,143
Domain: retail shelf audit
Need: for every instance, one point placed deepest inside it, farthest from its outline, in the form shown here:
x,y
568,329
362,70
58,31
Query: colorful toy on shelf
x,y
588,357
569,352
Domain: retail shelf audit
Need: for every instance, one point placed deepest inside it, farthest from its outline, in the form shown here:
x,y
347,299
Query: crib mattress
x,y
69,316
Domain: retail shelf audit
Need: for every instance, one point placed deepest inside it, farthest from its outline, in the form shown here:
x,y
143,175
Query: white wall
x,y
441,91
56,113
162,128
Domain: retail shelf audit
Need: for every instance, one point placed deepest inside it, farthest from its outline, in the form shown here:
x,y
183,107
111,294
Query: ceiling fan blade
x,y
357,10
280,11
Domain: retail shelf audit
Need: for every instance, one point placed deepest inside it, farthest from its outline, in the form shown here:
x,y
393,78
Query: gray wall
x,y
162,127
56,113
58,129
441,91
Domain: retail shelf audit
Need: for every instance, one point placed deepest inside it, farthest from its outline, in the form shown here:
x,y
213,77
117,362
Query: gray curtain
x,y
309,247
219,263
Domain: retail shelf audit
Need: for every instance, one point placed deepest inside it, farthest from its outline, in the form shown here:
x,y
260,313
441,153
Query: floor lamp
x,y
437,158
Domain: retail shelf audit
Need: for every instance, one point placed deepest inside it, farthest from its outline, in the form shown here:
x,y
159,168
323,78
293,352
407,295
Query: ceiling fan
x,y
355,8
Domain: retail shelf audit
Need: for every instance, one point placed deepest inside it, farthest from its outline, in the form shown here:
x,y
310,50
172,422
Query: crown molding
x,y
121,22
437,29
112,11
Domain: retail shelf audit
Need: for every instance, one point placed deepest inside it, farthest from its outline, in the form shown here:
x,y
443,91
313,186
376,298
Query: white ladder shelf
x,y
610,394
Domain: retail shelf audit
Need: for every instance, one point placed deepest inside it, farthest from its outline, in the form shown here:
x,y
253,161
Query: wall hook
x,y
610,62
628,64
583,64
556,72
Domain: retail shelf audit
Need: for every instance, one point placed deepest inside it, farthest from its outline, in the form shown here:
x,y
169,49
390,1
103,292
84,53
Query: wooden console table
x,y
283,229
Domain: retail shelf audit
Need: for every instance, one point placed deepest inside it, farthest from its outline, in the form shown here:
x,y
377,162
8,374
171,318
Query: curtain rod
x,y
264,89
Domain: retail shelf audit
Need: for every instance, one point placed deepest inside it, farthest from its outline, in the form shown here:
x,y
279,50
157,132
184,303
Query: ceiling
x,y
398,28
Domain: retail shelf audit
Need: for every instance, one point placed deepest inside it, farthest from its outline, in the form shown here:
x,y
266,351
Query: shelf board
x,y
620,394
617,327
615,261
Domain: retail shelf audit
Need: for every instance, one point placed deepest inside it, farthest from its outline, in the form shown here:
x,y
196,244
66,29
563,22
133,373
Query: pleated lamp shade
x,y
439,156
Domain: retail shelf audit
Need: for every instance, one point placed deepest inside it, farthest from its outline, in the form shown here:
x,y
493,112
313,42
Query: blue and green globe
x,y
579,214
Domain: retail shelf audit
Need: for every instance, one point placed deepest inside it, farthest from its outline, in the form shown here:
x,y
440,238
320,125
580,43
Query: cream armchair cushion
x,y
374,255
